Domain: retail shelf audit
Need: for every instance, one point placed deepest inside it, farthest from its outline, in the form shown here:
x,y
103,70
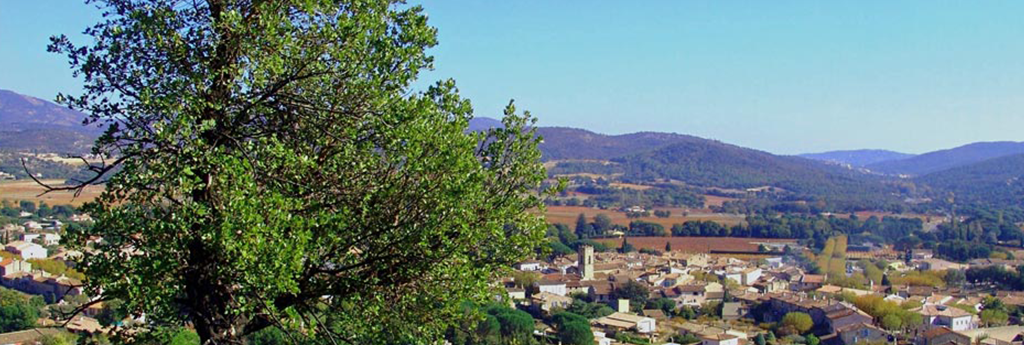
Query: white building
x,y
531,265
51,239
735,276
550,286
546,302
620,320
750,276
26,250
12,266
600,338
940,315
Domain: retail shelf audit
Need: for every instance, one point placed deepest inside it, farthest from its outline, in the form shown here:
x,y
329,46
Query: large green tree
x,y
17,311
801,322
270,165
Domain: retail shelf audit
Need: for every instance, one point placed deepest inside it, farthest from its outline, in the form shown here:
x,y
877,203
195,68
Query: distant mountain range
x,y
946,159
997,181
649,156
484,123
573,143
711,163
971,171
857,158
32,124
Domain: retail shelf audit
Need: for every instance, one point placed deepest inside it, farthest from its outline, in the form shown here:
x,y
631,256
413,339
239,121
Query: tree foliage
x,y
266,155
636,293
801,322
17,311
576,333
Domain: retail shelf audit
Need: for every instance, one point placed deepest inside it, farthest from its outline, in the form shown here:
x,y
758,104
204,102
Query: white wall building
x,y
620,320
531,265
51,239
940,315
26,250
553,287
750,276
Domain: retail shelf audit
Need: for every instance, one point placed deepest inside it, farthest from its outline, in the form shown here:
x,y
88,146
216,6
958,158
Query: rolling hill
x,y
573,143
32,124
650,156
946,159
714,164
857,158
47,140
20,112
997,181
477,124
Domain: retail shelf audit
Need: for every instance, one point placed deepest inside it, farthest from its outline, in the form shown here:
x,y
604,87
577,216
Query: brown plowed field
x,y
29,190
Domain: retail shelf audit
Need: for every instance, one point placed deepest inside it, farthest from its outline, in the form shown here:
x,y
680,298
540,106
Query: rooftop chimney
x,y
623,305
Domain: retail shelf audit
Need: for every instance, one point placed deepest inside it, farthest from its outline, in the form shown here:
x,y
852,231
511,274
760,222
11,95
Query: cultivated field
x,y
713,200
53,157
568,214
629,186
697,244
29,190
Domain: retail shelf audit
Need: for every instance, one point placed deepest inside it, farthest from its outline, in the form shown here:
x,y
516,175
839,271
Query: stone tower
x,y
586,262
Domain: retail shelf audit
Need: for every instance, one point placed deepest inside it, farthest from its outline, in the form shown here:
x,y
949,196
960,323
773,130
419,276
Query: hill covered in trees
x,y
998,181
31,124
946,159
857,158
18,112
42,140
714,164
573,143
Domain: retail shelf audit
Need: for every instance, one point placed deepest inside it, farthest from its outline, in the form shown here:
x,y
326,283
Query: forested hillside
x,y
573,143
715,164
945,159
53,140
19,111
30,124
857,158
998,181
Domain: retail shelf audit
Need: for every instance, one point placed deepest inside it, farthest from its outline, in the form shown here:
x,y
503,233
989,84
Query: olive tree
x,y
269,164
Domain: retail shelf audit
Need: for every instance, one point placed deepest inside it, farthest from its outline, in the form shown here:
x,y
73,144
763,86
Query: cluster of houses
x,y
749,285
16,271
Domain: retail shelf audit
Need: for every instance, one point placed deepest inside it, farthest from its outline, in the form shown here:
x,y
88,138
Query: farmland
x,y
697,244
29,190
568,214
713,200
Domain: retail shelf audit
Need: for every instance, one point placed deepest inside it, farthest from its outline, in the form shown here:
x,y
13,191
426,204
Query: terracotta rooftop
x,y
941,310
935,332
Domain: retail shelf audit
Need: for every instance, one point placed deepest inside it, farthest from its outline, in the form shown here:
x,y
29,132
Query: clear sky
x,y
781,76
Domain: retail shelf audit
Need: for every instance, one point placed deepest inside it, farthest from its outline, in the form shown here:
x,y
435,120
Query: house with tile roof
x,y
935,316
10,266
27,250
941,336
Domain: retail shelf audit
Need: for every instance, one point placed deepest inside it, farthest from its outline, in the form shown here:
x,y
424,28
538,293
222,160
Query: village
x,y
683,298
36,265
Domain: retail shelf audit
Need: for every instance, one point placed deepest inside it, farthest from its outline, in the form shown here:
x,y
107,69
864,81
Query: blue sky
x,y
781,76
